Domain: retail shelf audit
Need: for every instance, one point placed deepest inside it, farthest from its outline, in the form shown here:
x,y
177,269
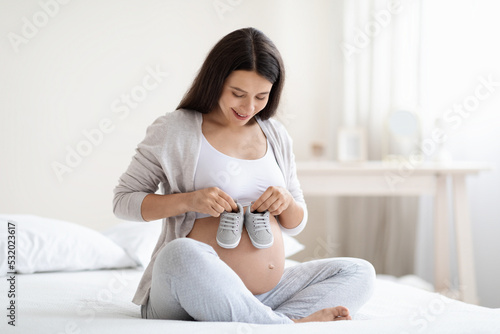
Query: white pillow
x,y
292,246
45,244
139,239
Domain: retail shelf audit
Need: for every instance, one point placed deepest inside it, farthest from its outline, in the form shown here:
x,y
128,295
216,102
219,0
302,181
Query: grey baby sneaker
x,y
230,228
259,228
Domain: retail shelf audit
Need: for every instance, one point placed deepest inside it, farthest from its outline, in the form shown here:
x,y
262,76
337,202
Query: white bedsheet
x,y
99,302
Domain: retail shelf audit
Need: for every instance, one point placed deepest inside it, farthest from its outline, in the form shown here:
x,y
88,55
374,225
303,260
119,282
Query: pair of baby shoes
x,y
256,223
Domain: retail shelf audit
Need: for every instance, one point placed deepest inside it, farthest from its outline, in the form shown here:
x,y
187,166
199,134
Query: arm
x,y
141,180
279,202
212,201
290,206
292,216
291,221
155,206
134,196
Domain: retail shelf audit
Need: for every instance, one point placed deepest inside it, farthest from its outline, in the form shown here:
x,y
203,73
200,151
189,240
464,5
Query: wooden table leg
x,y
465,247
441,237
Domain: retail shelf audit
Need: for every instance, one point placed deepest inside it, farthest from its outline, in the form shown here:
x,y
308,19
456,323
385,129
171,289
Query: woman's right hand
x,y
212,201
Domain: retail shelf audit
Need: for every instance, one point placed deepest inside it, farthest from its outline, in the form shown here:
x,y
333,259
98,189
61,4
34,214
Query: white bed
x,y
98,301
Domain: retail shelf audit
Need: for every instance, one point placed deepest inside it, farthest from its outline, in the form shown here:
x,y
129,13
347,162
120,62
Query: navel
x,y
271,266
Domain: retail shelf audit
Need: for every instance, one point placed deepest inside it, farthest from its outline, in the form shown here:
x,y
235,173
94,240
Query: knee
x,y
180,252
180,246
366,274
176,250
366,268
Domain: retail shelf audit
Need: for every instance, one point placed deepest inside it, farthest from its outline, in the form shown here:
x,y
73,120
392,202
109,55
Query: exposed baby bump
x,y
259,269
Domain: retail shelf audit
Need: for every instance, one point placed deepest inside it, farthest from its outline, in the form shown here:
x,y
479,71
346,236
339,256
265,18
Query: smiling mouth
x,y
239,116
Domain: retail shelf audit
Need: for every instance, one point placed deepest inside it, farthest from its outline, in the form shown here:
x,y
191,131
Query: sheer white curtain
x,y
381,48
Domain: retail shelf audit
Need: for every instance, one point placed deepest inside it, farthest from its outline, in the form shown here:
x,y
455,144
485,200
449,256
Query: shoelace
x,y
260,223
229,222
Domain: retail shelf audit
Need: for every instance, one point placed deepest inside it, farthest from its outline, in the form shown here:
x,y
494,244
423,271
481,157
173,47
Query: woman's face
x,y
244,94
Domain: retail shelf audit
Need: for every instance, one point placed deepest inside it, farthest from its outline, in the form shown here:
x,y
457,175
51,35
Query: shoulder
x,y
172,128
178,118
175,123
275,130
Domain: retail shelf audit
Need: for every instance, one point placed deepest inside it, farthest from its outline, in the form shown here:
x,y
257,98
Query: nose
x,y
248,106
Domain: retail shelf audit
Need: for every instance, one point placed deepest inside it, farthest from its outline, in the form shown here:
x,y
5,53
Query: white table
x,y
376,178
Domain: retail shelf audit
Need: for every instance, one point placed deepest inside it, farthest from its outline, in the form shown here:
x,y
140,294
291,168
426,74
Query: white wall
x,y
69,74
65,78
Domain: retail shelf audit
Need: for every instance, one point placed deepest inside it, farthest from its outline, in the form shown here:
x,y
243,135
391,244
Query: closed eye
x,y
258,98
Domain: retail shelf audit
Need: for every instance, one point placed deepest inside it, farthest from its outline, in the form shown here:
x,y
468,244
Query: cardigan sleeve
x,y
143,175
290,171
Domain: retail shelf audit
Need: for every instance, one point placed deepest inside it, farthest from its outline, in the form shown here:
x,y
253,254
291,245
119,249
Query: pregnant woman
x,y
229,190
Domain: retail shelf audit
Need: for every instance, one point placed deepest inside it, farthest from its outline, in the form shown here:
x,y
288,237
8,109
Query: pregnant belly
x,y
259,269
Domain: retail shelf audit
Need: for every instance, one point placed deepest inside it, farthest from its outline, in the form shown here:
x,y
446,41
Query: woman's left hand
x,y
274,199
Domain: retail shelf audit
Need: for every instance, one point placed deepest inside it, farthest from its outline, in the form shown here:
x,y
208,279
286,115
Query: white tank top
x,y
244,180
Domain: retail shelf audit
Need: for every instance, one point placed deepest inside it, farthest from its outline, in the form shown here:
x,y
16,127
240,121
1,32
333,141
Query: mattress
x,y
99,301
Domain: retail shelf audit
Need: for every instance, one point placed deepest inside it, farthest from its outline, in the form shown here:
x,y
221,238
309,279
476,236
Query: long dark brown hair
x,y
244,49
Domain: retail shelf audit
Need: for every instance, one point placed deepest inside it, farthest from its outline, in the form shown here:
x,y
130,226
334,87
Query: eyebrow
x,y
241,90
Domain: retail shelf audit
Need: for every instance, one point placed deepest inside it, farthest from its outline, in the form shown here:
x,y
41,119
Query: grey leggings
x,y
190,282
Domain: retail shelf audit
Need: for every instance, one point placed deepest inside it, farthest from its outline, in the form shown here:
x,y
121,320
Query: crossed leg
x,y
190,282
322,290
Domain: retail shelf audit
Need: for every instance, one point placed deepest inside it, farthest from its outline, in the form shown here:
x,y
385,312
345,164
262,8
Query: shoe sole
x,y
261,246
229,246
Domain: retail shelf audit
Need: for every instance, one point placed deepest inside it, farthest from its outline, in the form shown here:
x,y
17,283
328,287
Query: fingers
x,y
259,205
214,201
274,199
231,204
222,202
216,210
